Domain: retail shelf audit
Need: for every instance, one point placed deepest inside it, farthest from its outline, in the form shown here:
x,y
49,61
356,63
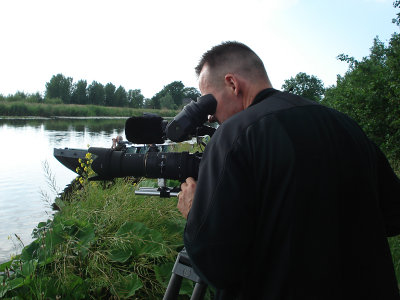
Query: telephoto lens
x,y
109,164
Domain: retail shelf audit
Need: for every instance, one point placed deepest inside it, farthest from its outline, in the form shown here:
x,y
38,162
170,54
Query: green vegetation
x,y
308,86
65,98
21,108
394,243
105,243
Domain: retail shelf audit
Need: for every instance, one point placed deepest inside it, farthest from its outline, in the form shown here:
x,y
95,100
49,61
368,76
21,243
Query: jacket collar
x,y
264,94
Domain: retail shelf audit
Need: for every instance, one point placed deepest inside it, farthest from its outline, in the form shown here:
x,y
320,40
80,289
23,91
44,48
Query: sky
x,y
148,44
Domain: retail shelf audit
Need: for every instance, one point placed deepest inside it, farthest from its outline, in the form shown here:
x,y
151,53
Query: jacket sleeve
x,y
389,194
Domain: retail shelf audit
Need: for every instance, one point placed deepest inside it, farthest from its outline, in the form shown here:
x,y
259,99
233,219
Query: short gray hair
x,y
232,56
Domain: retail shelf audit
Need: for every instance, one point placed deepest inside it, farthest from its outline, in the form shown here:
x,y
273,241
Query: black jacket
x,y
293,201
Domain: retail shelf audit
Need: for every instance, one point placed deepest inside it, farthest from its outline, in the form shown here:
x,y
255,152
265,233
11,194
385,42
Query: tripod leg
x,y
173,288
199,291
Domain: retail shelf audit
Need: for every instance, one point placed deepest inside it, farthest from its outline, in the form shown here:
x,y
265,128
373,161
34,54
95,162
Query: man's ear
x,y
232,82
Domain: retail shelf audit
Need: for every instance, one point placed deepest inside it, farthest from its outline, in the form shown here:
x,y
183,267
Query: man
x,y
292,201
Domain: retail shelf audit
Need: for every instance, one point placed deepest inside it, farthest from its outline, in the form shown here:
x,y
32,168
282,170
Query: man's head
x,y
234,74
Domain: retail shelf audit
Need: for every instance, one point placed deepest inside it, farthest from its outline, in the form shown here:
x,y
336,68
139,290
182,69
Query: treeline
x,y
62,90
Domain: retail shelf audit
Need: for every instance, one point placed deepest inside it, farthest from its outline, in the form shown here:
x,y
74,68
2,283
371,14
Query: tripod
x,y
183,269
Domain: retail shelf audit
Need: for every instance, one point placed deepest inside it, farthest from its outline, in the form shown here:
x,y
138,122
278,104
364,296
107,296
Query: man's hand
x,y
186,196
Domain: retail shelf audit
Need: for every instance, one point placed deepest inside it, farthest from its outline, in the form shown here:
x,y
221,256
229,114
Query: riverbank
x,y
20,108
105,242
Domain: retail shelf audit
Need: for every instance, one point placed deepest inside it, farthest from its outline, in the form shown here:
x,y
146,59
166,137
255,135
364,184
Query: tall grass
x,y
23,108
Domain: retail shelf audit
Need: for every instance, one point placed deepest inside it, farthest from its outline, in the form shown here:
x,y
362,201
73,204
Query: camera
x,y
152,129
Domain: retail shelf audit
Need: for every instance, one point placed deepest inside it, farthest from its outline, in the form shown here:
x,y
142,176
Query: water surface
x,y
26,146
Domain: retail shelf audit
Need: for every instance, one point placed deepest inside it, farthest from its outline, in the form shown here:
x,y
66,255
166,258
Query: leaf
x,y
127,286
42,224
3,289
144,241
31,251
15,283
29,268
120,255
163,273
54,237
5,265
85,237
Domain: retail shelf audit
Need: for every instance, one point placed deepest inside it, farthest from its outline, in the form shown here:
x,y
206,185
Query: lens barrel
x,y
109,164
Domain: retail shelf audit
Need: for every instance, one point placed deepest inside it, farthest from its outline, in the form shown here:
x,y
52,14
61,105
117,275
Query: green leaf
x,y
29,268
144,241
120,255
3,290
15,283
85,238
163,273
127,286
41,224
5,265
86,234
186,287
31,251
54,237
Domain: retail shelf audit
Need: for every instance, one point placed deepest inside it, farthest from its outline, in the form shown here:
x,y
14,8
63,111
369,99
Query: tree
x,y
167,102
396,20
59,86
80,93
174,89
154,102
109,90
135,98
148,103
369,92
191,93
96,93
305,85
121,97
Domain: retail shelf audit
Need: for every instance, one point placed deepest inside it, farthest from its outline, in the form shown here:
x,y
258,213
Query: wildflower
x,y
85,169
79,160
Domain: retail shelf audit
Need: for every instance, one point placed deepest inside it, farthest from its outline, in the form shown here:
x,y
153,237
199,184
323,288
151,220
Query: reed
x,y
23,108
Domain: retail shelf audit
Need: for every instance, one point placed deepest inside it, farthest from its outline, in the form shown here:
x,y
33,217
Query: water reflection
x,y
26,146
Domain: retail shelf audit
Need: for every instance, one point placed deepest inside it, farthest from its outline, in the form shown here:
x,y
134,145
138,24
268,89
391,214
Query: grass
x,y
23,108
104,243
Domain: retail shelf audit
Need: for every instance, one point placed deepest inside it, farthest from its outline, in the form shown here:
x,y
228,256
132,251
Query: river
x,y
26,148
